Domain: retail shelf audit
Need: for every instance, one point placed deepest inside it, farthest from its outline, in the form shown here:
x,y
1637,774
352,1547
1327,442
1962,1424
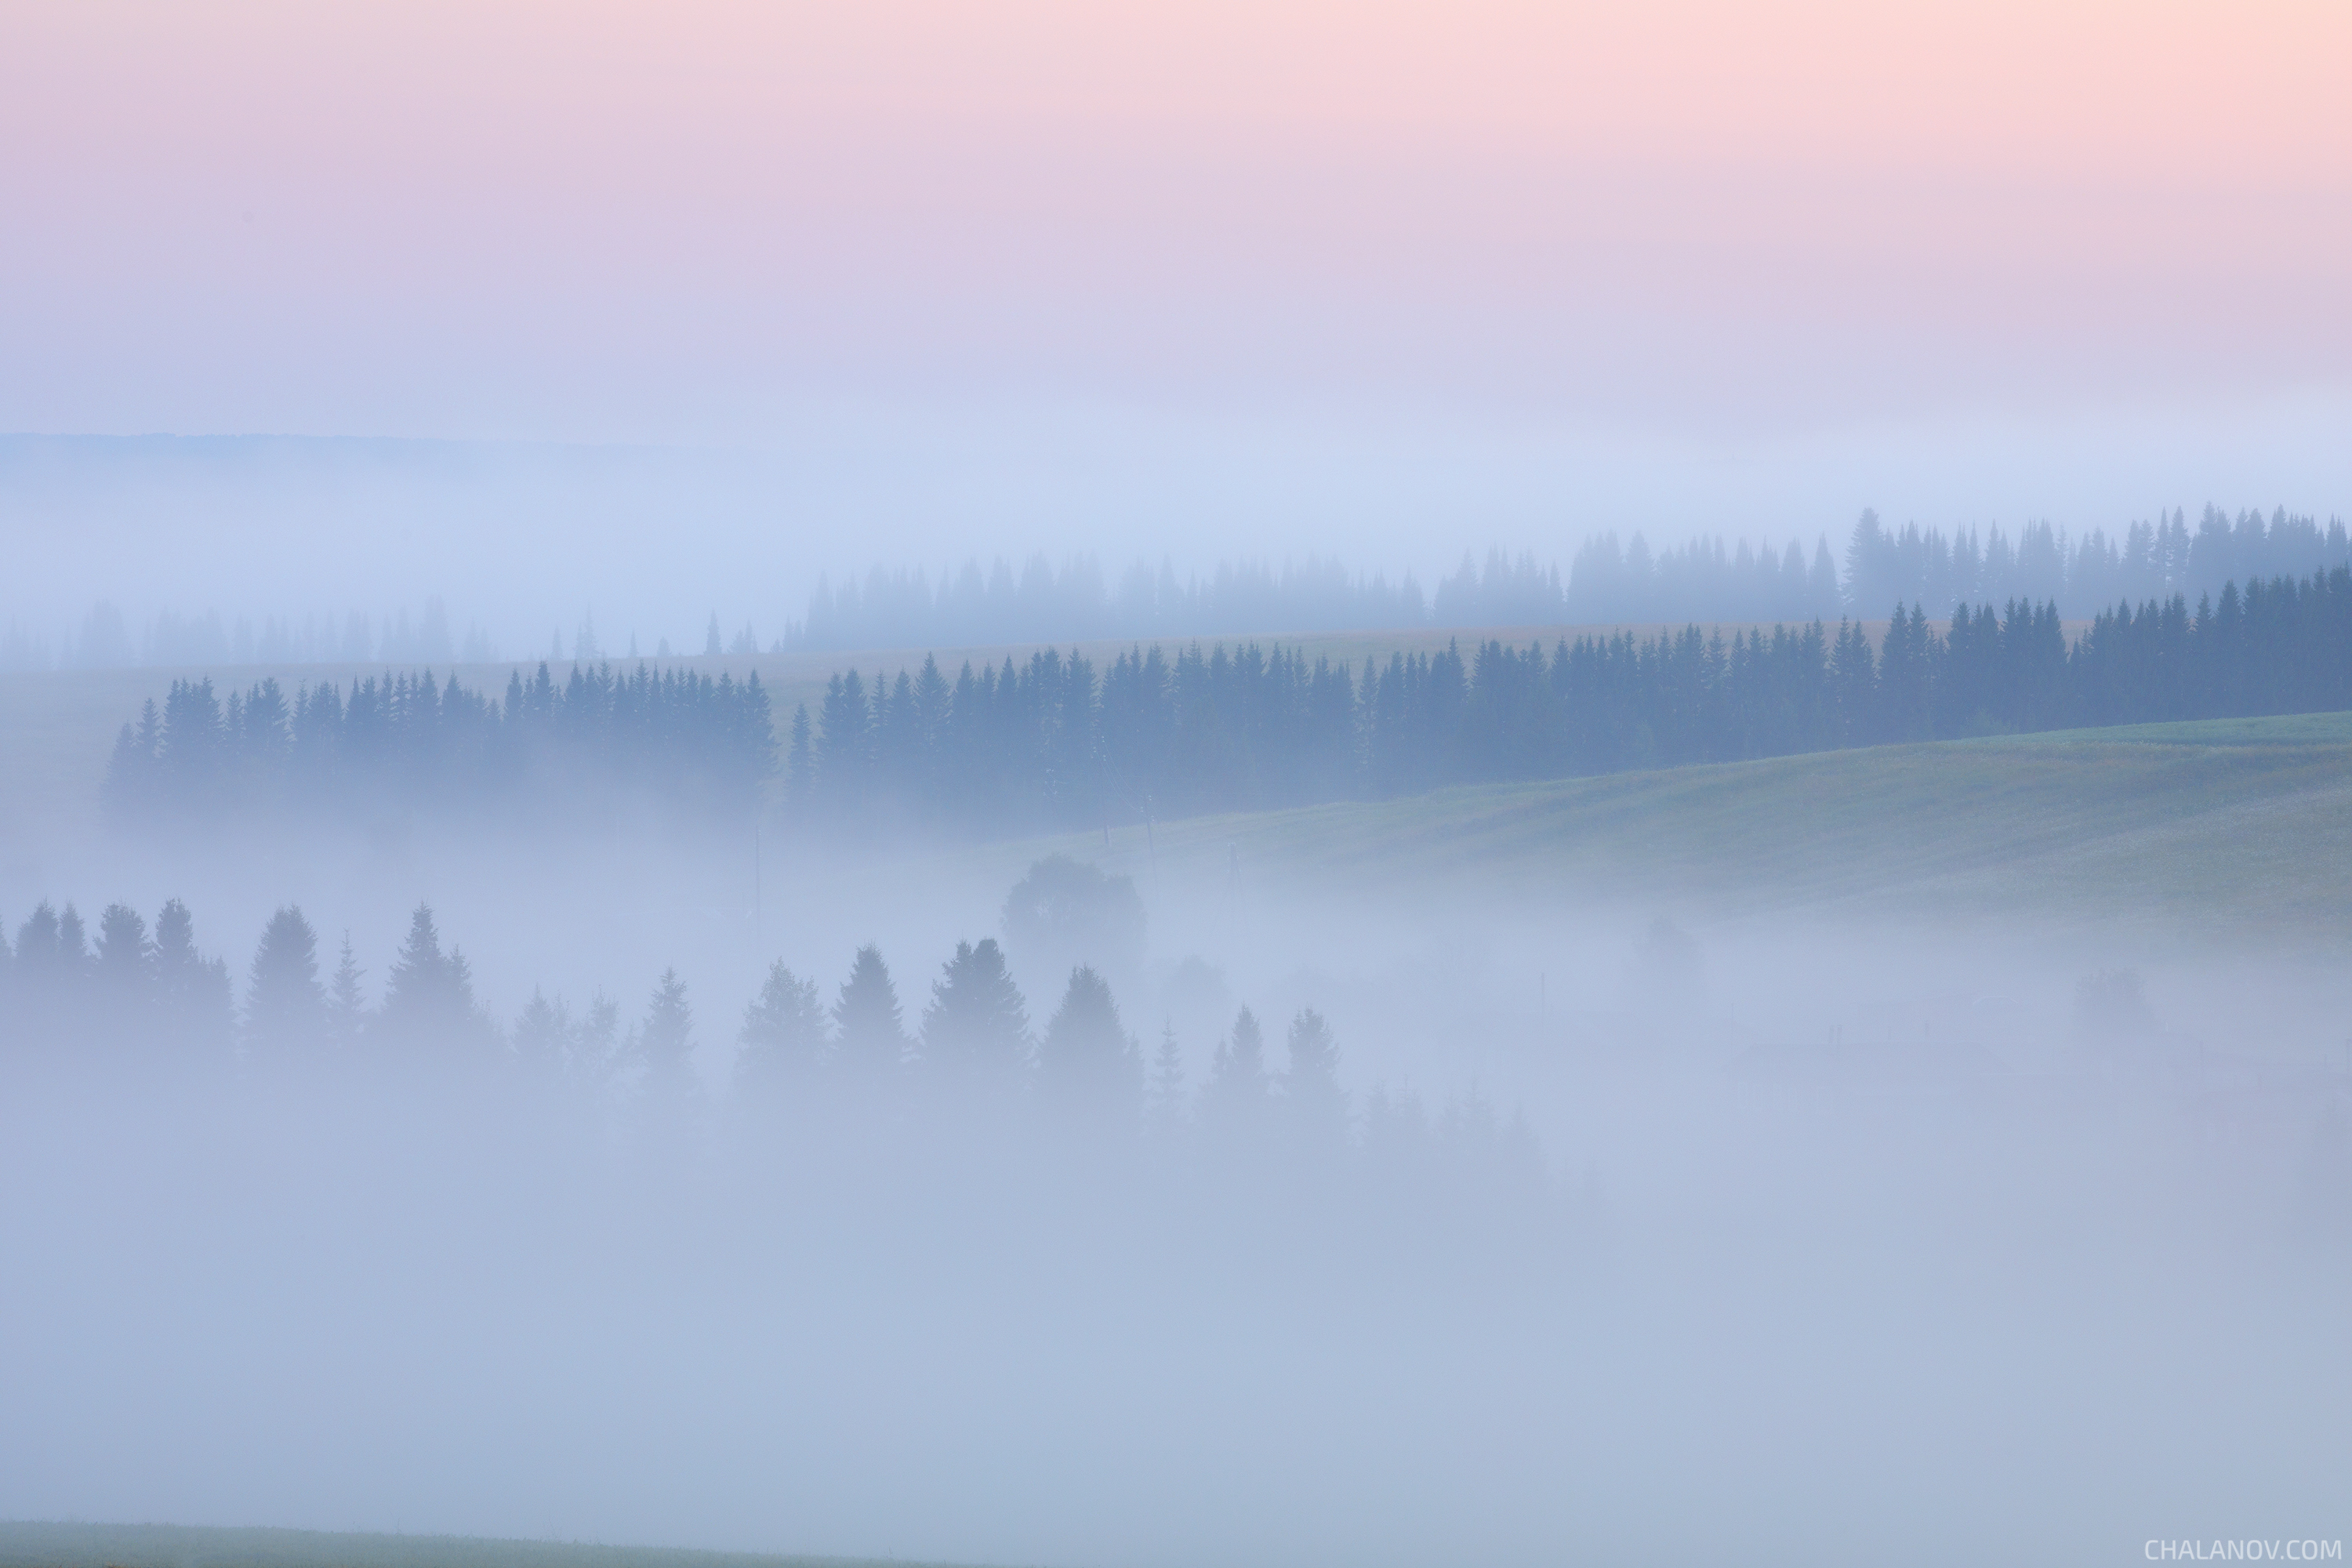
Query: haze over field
x,y
1165,786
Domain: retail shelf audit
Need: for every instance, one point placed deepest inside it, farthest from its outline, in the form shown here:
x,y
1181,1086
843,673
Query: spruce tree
x,y
1312,1099
593,1050
1165,1094
976,1029
124,975
871,1042
346,1005
286,1019
543,1033
1235,1100
1086,1057
41,994
193,994
665,1044
428,998
800,768
782,1036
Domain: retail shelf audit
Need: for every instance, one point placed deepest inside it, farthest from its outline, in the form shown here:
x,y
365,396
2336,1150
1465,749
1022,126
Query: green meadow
x,y
2225,828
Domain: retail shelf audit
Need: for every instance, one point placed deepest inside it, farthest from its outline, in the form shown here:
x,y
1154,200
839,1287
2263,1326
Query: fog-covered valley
x,y
1653,1223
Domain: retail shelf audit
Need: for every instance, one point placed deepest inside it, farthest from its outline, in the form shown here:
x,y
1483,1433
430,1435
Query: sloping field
x,y
2230,823
182,1546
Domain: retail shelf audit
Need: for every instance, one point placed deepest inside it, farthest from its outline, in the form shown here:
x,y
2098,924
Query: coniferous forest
x,y
675,736
1052,743
131,1004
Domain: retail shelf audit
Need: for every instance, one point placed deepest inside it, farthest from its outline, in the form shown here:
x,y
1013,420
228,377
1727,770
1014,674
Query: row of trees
x,y
1609,581
1048,742
107,640
1053,741
673,735
149,1000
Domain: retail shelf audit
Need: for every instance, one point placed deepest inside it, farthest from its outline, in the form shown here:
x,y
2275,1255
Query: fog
x,y
1661,1225
657,1105
647,542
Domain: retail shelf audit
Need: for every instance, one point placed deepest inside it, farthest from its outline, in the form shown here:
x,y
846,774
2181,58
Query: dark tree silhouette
x,y
1235,1098
1165,1092
192,992
346,1005
125,975
976,1029
285,1016
1086,1057
870,1043
784,1037
664,1044
1312,1099
429,1011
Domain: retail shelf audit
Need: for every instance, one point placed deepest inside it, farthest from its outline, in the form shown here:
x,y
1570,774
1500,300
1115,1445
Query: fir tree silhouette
x,y
286,1017
1165,1102
976,1028
664,1044
783,1037
1086,1057
1316,1105
871,1042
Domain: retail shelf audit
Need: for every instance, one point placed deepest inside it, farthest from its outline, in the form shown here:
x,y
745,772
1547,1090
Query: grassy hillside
x,y
2233,823
181,1546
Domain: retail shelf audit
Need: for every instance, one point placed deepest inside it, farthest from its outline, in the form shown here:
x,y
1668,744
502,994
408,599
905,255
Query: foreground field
x,y
25,1545
2223,827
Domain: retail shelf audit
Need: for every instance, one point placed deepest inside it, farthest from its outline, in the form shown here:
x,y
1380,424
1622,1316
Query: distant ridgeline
x,y
1022,748
408,742
1609,581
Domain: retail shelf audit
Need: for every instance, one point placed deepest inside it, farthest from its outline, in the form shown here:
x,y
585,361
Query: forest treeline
x,y
1611,580
1048,742
142,1007
1052,743
1608,581
674,736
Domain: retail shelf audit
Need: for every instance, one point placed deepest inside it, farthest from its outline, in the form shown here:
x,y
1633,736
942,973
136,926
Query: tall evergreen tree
x,y
346,1003
286,1017
125,974
1085,1056
1235,1098
782,1037
976,1029
541,1036
1312,1099
193,993
42,983
800,774
428,998
870,1042
665,1044
1165,1104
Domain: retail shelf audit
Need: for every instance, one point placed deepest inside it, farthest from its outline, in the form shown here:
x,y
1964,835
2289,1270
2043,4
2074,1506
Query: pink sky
x,y
670,222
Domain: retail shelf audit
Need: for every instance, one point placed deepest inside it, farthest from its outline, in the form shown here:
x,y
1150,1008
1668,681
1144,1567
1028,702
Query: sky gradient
x,y
1641,236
